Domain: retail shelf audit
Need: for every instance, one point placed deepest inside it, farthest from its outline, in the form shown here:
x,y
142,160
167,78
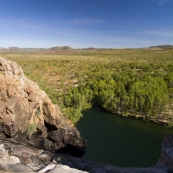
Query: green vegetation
x,y
38,112
130,82
31,128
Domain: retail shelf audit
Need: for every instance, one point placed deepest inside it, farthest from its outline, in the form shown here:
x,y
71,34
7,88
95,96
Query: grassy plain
x,y
58,72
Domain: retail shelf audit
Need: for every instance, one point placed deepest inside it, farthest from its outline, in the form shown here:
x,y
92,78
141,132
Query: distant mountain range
x,y
167,46
66,49
14,49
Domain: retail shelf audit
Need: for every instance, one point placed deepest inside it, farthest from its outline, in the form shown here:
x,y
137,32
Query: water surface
x,y
121,141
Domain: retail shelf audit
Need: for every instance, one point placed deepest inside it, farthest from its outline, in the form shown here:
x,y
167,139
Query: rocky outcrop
x,y
166,155
15,157
28,116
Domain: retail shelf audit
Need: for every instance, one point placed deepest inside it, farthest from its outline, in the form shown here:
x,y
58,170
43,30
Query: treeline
x,y
142,90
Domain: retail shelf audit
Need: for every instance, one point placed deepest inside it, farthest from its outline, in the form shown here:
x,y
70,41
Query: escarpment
x,y
28,116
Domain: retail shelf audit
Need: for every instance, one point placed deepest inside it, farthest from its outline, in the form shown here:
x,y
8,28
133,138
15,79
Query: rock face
x,y
28,116
166,155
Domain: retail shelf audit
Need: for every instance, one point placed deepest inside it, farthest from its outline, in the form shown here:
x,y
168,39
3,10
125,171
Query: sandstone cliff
x,y
28,116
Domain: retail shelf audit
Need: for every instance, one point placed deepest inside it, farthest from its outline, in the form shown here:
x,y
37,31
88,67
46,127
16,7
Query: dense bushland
x,y
130,82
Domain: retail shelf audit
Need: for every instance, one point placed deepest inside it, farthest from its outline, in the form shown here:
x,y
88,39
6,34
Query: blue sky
x,y
86,23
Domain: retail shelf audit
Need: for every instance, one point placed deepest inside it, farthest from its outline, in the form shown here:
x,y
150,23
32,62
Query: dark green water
x,y
121,141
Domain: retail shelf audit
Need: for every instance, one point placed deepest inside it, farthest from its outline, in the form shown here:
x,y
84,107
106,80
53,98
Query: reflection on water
x,y
121,141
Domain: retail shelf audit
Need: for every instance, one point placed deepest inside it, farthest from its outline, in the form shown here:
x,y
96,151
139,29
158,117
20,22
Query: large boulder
x,y
28,116
166,155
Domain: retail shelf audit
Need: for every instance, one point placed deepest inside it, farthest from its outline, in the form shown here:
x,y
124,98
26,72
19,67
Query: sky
x,y
86,23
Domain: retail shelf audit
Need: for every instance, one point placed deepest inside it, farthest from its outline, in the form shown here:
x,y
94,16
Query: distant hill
x,y
13,49
61,48
16,49
68,49
167,46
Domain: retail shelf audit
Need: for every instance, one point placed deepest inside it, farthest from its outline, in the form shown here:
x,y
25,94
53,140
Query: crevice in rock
x,y
72,150
49,126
